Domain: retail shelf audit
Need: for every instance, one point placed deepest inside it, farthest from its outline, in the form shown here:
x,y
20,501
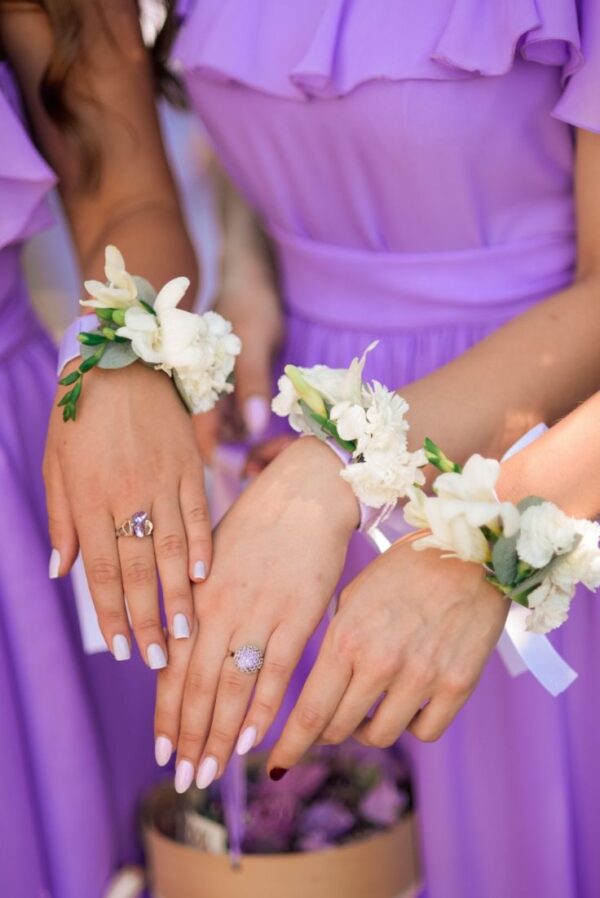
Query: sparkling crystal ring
x,y
248,658
139,524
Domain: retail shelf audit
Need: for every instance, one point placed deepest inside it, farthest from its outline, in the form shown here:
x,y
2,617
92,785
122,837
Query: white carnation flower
x,y
120,292
549,607
582,565
545,532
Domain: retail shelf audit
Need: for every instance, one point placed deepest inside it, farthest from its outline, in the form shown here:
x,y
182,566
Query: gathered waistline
x,y
366,289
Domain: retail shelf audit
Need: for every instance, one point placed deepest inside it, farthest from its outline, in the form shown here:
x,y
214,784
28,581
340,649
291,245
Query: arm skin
x,y
562,466
135,205
537,367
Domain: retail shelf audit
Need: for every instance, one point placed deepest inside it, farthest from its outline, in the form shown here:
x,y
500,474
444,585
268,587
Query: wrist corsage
x,y
131,322
366,421
532,552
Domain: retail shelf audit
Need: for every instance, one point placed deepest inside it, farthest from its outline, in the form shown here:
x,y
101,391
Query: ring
x,y
139,524
248,658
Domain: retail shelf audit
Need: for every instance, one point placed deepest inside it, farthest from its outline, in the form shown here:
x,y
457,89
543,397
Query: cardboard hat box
x,y
384,865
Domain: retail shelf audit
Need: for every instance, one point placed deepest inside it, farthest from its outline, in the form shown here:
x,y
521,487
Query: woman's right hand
x,y
132,448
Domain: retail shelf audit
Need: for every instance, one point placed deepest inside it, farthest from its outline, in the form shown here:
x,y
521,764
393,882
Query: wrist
x,y
324,468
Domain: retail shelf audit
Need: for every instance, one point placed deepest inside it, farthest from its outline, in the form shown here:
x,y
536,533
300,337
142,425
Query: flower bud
x,y
307,394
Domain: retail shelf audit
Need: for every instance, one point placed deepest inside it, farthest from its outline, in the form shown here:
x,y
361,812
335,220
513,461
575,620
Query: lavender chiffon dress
x,y
75,731
413,162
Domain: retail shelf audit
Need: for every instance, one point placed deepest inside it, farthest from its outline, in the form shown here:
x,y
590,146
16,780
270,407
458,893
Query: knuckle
x,y
177,595
276,670
346,641
138,571
102,572
197,685
333,735
190,740
233,682
457,684
425,733
146,625
418,671
112,617
381,738
221,736
310,718
264,708
170,545
197,514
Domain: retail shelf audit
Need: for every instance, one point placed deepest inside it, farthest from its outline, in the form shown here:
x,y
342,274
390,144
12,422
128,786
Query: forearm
x,y
563,465
536,368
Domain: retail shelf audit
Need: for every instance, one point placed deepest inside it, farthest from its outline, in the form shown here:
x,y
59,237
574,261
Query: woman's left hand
x,y
414,628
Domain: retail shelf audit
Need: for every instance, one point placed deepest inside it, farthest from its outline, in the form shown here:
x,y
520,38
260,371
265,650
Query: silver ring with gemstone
x,y
248,658
139,524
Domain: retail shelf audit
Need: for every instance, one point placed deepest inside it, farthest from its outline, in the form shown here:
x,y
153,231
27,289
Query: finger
x,y
140,585
63,535
233,695
206,431
253,388
170,549
283,653
391,717
103,571
358,700
314,709
210,651
433,720
196,520
170,685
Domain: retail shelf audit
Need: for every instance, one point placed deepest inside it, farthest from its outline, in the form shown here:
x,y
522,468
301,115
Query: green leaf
x,y
438,459
328,426
118,355
90,362
529,502
147,306
70,379
146,292
65,400
526,586
76,391
505,559
91,339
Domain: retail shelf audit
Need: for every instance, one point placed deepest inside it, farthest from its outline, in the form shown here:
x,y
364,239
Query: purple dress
x,y
413,162
76,731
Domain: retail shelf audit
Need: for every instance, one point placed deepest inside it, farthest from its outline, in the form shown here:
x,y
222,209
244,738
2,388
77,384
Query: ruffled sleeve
x,y
25,179
579,104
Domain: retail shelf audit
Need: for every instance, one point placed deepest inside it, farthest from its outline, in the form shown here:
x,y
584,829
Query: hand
x,y
412,627
279,553
131,449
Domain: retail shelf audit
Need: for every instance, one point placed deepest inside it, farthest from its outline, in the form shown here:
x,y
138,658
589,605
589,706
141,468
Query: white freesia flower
x,y
120,292
287,405
455,536
545,532
549,607
350,420
142,328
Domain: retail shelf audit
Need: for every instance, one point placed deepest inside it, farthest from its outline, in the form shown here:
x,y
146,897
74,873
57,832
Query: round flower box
x,y
380,865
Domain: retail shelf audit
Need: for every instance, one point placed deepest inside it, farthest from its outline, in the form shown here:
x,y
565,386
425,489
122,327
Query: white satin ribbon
x,y
519,649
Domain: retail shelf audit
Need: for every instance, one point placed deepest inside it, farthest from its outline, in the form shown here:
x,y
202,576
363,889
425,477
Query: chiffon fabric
x,y
76,731
414,165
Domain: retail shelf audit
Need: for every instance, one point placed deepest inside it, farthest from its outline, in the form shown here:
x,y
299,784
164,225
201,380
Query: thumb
x,y
63,536
253,390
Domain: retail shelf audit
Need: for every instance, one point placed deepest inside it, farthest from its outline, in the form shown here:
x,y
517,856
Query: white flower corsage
x,y
532,552
134,323
368,421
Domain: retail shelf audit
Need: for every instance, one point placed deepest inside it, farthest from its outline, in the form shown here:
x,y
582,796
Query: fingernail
x,y
54,564
163,749
156,657
121,648
246,740
277,773
207,772
181,628
199,571
256,415
184,776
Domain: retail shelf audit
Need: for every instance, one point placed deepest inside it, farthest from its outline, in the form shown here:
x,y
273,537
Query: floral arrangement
x,y
532,552
332,797
368,421
135,323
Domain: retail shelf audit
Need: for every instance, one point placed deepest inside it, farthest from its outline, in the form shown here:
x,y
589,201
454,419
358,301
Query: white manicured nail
x,y
184,776
181,628
257,412
163,749
121,648
199,571
207,772
54,565
156,657
246,740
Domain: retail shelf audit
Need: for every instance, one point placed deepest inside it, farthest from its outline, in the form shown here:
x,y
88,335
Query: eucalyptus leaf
x,y
529,502
505,559
182,393
117,355
146,292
